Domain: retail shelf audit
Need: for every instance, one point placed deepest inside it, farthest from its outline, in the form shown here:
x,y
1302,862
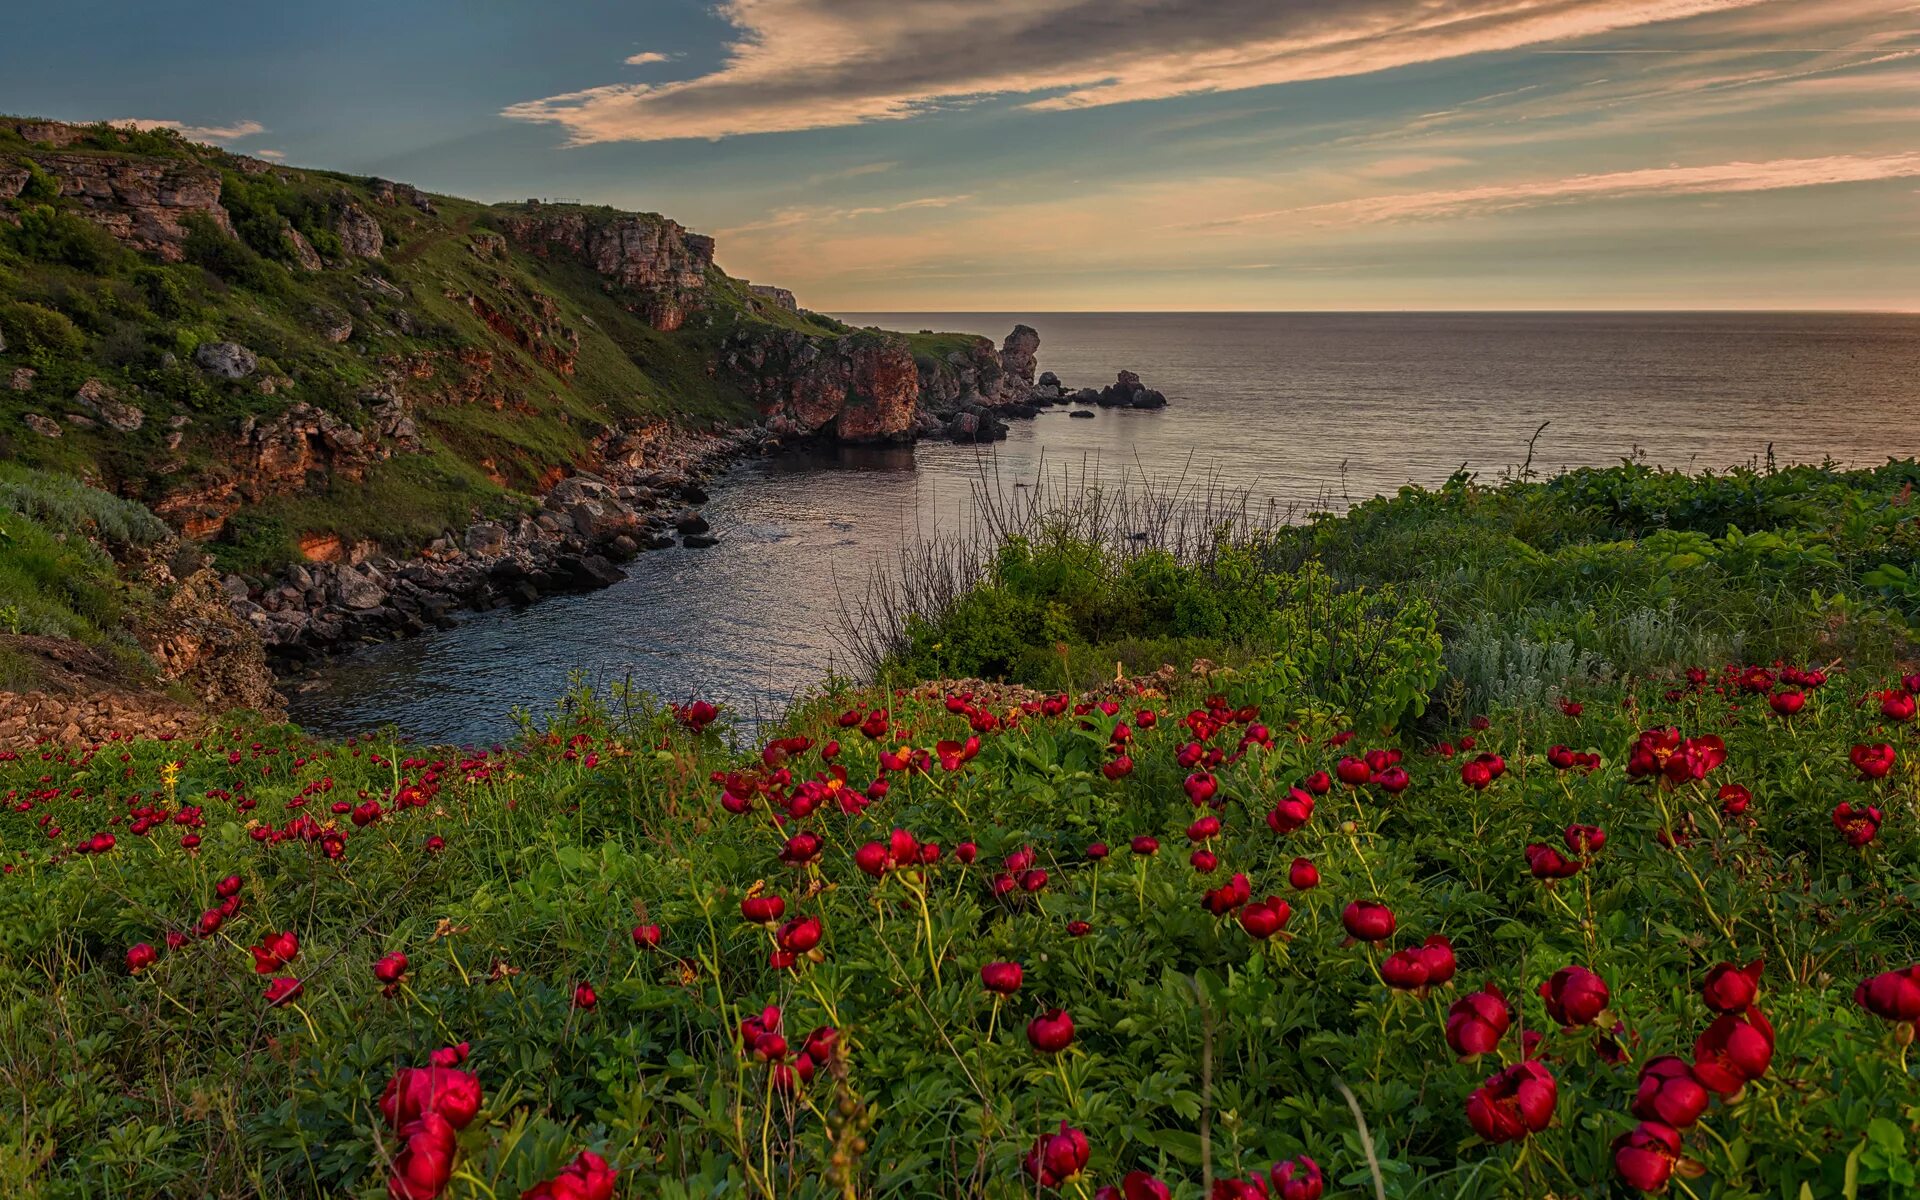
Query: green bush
x,y
41,331
56,235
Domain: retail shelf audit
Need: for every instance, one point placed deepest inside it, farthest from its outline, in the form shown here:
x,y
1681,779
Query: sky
x,y
1118,155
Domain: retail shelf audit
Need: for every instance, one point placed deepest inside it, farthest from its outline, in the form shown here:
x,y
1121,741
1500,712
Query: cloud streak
x,y
235,132
1730,177
810,64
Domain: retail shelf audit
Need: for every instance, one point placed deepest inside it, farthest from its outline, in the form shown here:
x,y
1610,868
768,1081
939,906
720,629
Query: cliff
x,y
311,372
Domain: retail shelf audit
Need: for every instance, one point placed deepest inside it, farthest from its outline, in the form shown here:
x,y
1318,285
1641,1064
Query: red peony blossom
x,y
1224,899
1736,1048
283,990
1393,780
1513,1103
646,937
1265,918
1891,995
1787,704
1584,839
1368,921
1669,1093
800,935
414,1091
587,1177
1138,1185
1145,845
1873,762
1303,876
1200,788
390,970
1476,774
140,956
1051,1031
424,1162
275,950
1574,996
1734,799
1730,989
1545,862
1897,706
584,997
1477,1021
1291,811
1058,1157
763,910
1002,978
1297,1179
1859,825
1645,1155
1353,771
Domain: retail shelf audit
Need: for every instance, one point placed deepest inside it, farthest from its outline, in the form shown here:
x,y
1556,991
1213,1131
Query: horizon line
x,y
1309,312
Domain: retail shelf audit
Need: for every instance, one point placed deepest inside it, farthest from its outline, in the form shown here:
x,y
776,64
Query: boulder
x,y
699,541
1149,398
357,591
358,232
1048,379
1087,413
303,252
22,379
103,402
691,522
486,540
229,360
44,426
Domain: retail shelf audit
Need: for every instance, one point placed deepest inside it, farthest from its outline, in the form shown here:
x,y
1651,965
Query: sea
x,y
1298,411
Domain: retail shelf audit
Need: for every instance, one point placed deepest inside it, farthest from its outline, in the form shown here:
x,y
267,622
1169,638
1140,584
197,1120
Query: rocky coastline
x,y
642,492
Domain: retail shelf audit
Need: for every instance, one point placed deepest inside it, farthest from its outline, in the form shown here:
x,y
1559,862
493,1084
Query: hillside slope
x,y
288,363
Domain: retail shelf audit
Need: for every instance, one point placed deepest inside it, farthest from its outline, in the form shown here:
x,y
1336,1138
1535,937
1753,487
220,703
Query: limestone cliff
x,y
660,266
860,387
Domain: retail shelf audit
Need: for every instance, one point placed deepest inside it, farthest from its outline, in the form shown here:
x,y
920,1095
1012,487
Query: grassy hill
x,y
466,364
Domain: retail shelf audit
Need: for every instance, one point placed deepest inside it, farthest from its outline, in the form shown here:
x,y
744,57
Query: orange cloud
x,y
810,64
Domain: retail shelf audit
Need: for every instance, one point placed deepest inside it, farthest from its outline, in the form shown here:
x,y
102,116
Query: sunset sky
x,y
1098,154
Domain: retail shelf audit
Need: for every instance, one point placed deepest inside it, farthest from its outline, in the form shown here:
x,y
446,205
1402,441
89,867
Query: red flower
x,y
1078,929
1669,1093
1891,995
424,1162
1291,812
1204,861
1224,899
1002,978
390,969
140,956
763,910
1574,996
1477,1021
587,1177
1873,762
1645,1155
1319,783
1353,771
283,990
1303,875
1138,1185
1897,706
1393,780
1120,767
584,997
1730,989
1368,921
1734,799
1145,844
275,950
1476,774
1513,1103
1584,839
1201,787
415,1091
1427,965
801,849
1264,919
1051,1031
1858,825
1297,1179
800,935
646,936
1736,1048
1547,863
1058,1157
1786,704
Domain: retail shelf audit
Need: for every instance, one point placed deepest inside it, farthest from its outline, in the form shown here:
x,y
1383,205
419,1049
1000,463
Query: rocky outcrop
x,y
1017,363
300,449
228,360
779,297
661,268
103,402
530,321
358,232
858,388
585,525
304,255
1128,392
144,202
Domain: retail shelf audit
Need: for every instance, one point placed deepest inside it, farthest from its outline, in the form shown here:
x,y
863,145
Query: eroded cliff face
x,y
858,388
142,202
663,266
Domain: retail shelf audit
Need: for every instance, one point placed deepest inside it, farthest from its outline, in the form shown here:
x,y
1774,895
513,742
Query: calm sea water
x,y
1294,407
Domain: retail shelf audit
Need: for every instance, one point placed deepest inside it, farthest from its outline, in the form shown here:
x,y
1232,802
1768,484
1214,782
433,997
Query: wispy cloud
x,y
648,58
786,218
237,131
1651,181
809,64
